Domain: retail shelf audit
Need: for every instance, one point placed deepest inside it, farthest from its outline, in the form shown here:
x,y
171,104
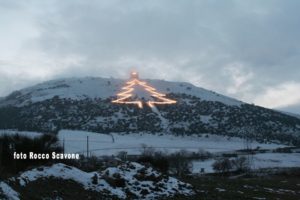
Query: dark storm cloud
x,y
245,49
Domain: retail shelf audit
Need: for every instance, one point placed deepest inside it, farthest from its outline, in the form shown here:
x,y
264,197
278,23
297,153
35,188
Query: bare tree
x,y
147,150
222,165
122,155
241,163
180,163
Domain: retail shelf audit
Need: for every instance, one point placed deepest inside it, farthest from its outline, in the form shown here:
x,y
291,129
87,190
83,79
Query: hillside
x,y
103,88
85,104
126,181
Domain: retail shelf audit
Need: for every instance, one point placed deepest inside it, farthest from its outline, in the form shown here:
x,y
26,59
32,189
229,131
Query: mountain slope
x,y
91,87
85,104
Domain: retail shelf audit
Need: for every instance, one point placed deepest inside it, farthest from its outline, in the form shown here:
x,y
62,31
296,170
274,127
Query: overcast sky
x,y
249,49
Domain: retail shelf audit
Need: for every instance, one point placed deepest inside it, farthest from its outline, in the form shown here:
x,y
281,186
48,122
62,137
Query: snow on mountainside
x,y
85,104
91,87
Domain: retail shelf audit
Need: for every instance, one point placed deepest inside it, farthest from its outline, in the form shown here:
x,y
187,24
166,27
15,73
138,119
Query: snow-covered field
x,y
259,161
103,144
23,133
265,160
206,165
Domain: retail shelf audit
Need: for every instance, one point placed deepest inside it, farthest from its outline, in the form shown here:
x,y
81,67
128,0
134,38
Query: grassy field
x,y
286,187
207,188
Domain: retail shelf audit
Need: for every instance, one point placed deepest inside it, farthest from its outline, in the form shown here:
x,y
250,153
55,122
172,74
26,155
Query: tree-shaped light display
x,y
127,92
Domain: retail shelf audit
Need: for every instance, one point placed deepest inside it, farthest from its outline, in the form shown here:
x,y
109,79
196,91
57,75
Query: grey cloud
x,y
177,30
175,39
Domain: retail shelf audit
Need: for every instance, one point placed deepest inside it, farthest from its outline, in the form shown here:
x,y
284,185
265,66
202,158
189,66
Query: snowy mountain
x,y
85,104
91,87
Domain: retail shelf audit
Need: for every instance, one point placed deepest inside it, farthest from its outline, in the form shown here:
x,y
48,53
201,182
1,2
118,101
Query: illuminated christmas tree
x,y
126,96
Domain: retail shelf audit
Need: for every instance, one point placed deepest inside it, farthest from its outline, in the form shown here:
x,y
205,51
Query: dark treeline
x,y
9,144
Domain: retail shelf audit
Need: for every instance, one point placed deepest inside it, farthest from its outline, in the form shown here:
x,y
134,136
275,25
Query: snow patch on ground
x,y
266,160
206,119
258,161
164,121
8,192
143,182
205,165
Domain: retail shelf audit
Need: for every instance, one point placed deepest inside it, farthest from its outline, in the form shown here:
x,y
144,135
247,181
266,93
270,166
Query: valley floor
x,y
284,187
104,144
65,183
111,144
281,186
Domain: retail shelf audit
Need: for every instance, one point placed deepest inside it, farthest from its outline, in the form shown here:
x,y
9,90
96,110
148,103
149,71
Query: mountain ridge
x,y
85,104
113,86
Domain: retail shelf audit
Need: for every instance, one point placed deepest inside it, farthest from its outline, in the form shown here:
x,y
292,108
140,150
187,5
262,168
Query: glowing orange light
x,y
128,89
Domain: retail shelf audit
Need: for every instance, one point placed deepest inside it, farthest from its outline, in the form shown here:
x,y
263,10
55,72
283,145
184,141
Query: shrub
x,y
95,179
16,143
122,155
161,163
203,154
241,164
222,165
180,163
147,150
115,180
